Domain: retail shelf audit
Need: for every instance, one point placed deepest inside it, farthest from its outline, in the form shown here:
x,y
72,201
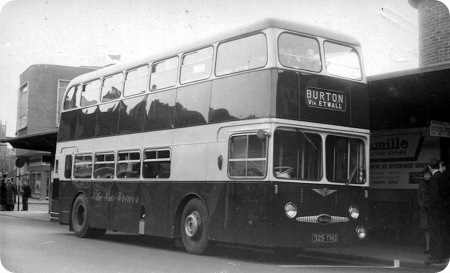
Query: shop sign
x,y
440,128
395,147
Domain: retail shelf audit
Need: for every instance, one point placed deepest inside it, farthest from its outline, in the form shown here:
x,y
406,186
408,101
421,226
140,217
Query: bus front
x,y
319,143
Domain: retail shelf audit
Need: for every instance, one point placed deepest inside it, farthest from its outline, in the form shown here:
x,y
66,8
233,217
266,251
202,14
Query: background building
x,y
7,154
39,99
410,125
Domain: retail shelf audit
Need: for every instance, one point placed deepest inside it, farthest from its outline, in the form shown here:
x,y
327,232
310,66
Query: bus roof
x,y
257,26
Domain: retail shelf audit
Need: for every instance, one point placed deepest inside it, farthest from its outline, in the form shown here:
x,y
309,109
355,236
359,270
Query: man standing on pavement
x,y
25,195
11,192
444,168
436,213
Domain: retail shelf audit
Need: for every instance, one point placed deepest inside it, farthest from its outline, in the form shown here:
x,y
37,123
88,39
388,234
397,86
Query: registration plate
x,y
325,238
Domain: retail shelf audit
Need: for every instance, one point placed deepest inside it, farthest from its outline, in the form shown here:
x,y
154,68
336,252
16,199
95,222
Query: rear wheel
x,y
80,222
194,227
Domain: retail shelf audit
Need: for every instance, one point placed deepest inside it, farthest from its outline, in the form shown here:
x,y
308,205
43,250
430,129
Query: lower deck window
x,y
156,164
104,165
82,166
128,165
248,156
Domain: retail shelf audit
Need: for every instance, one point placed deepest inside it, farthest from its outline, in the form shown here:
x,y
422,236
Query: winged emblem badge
x,y
324,191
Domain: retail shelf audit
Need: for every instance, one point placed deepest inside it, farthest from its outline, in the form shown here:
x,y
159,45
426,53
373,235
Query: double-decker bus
x,y
257,137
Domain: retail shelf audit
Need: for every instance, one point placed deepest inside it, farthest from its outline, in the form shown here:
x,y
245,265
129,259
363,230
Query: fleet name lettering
x,y
325,99
119,198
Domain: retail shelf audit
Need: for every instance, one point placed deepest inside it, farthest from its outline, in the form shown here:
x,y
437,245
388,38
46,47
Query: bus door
x,y
248,189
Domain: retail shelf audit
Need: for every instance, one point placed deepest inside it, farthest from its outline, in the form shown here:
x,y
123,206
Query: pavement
x,y
390,255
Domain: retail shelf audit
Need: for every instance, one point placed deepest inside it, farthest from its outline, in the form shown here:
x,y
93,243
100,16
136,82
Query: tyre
x,y
80,221
194,227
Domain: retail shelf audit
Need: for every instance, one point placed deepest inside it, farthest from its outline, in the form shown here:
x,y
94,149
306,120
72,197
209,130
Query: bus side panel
x,y
155,198
126,206
100,209
68,191
249,212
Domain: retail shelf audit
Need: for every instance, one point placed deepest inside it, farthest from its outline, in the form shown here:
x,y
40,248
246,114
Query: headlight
x,y
361,231
290,209
353,211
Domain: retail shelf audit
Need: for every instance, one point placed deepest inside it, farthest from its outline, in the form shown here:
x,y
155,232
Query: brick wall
x,y
434,32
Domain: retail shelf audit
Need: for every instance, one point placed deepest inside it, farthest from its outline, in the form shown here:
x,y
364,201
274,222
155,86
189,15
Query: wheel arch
x,y
71,207
177,219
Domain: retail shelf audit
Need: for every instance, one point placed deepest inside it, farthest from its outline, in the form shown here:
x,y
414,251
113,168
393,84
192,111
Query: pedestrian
x,y
444,168
3,195
422,194
11,192
26,193
436,212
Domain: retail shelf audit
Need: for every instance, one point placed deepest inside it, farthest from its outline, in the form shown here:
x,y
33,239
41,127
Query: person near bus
x,y
11,192
26,193
443,167
3,195
436,212
422,194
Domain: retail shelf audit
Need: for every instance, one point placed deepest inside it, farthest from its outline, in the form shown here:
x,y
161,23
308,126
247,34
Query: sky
x,y
86,32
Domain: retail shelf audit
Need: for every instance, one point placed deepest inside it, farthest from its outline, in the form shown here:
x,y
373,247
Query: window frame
x,y
156,63
247,159
83,90
134,69
236,70
102,95
320,162
75,164
95,163
319,53
157,159
358,55
198,62
118,161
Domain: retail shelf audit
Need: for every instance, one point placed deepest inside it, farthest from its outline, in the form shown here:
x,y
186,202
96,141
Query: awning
x,y
44,141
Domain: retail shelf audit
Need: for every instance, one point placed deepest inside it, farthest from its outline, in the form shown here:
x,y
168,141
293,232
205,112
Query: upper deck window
x,y
299,52
342,61
112,87
164,74
242,54
196,65
70,101
136,81
90,93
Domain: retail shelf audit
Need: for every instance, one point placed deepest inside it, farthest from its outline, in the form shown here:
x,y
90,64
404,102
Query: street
x,y
32,245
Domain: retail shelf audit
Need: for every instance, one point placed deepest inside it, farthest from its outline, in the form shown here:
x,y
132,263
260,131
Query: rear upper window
x,y
241,54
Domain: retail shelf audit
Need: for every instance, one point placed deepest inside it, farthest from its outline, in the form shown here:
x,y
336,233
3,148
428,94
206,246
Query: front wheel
x,y
194,227
80,222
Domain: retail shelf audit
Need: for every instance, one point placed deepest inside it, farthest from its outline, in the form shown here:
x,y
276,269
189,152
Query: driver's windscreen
x,y
297,155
